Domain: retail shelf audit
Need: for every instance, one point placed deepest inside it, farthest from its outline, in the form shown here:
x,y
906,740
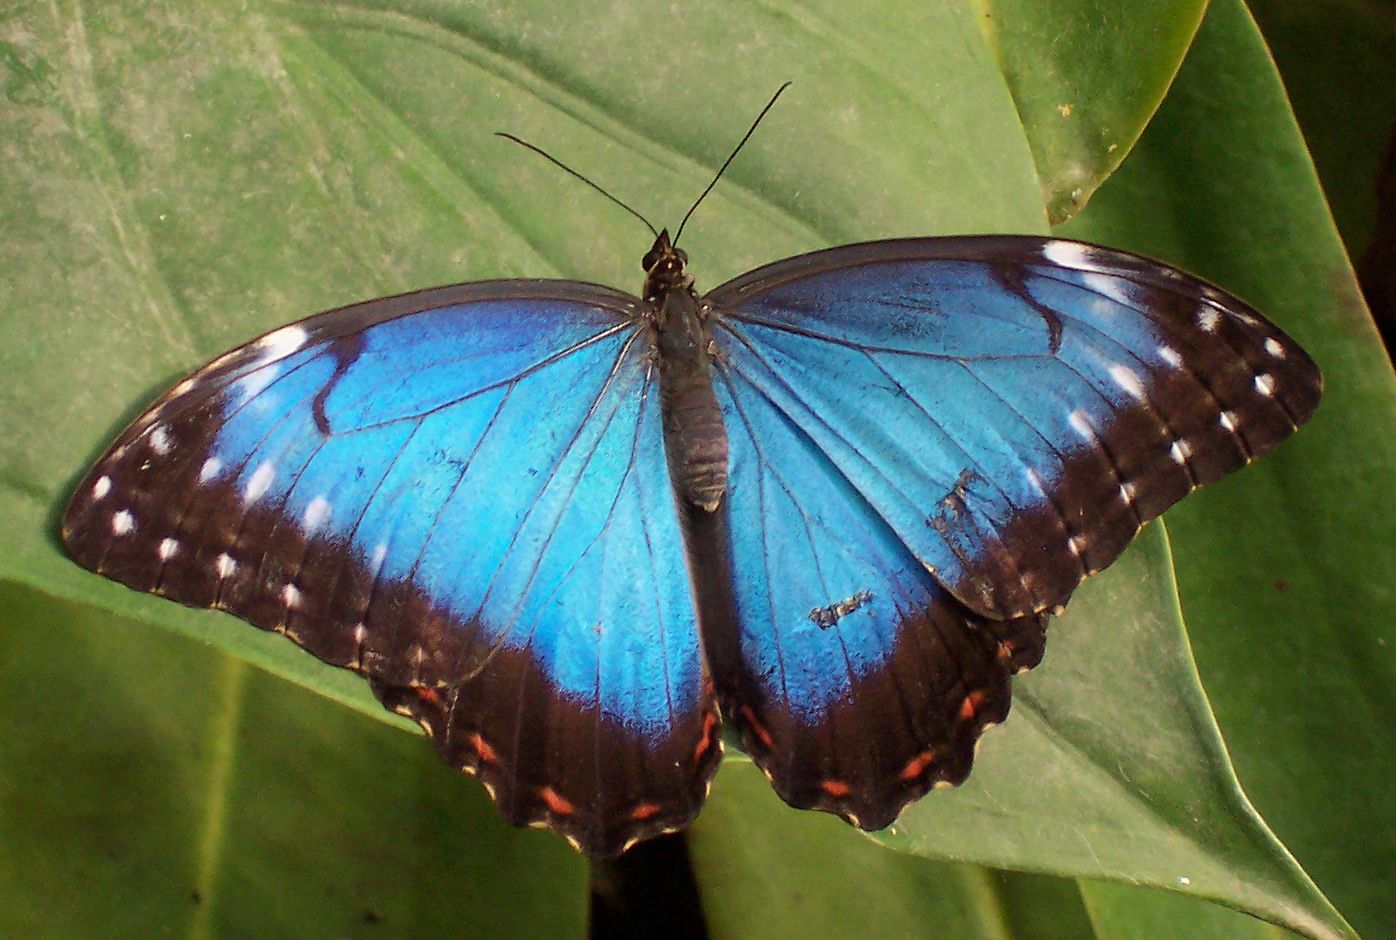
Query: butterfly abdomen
x,y
694,435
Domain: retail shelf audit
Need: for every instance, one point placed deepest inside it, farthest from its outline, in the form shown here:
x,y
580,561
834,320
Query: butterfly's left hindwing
x,y
463,495
857,682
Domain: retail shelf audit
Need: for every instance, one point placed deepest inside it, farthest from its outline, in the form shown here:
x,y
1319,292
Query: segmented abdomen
x,y
694,435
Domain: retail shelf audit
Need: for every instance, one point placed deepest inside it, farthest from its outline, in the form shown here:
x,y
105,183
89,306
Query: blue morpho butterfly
x,y
833,500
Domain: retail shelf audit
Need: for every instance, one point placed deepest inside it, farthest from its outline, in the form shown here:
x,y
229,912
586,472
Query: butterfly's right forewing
x,y
463,495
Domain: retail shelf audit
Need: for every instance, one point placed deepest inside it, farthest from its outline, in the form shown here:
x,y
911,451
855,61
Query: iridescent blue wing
x,y
1015,408
462,494
856,680
933,442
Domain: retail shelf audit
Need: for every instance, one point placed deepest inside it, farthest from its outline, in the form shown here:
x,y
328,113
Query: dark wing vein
x,y
552,474
833,431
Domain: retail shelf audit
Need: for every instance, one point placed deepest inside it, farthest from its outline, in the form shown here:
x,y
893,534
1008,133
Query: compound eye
x,y
683,256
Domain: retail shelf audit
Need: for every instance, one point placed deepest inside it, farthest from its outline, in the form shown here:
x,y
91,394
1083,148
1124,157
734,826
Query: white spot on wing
x,y
168,549
1170,355
183,388
1080,424
210,469
316,513
1180,452
1076,544
1273,347
1127,379
1207,318
1127,492
379,554
1035,479
160,440
291,595
1227,419
224,565
102,487
1067,254
1265,384
1102,307
256,382
122,522
1109,286
259,482
282,342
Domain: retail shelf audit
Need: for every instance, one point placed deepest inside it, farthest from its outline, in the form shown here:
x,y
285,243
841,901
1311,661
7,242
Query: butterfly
x,y
572,531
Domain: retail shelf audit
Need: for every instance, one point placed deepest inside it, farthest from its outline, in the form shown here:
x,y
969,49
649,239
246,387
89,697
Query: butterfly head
x,y
664,268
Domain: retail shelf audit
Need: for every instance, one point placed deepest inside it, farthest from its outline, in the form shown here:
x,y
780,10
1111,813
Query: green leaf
x,y
1086,76
160,788
1111,748
175,184
765,872
1287,575
179,185
768,874
1122,912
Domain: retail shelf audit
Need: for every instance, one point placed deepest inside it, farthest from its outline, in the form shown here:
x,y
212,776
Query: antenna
x,y
722,169
558,163
736,150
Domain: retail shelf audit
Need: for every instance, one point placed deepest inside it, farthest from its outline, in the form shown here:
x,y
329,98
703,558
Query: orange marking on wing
x,y
757,728
706,740
430,696
971,705
557,803
482,747
644,811
1005,651
917,765
835,788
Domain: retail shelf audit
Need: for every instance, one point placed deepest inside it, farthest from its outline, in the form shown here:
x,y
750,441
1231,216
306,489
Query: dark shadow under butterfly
x,y
565,528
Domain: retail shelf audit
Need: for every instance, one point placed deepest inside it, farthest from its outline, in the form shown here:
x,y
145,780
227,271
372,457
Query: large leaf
x,y
790,877
176,183
181,184
1086,76
1288,577
1085,787
159,790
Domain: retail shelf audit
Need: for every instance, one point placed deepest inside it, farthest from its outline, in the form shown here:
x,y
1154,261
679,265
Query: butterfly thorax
x,y
695,438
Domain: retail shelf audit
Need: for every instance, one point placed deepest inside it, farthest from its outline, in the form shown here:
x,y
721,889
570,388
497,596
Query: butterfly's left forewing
x,y
463,495
1014,408
933,442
